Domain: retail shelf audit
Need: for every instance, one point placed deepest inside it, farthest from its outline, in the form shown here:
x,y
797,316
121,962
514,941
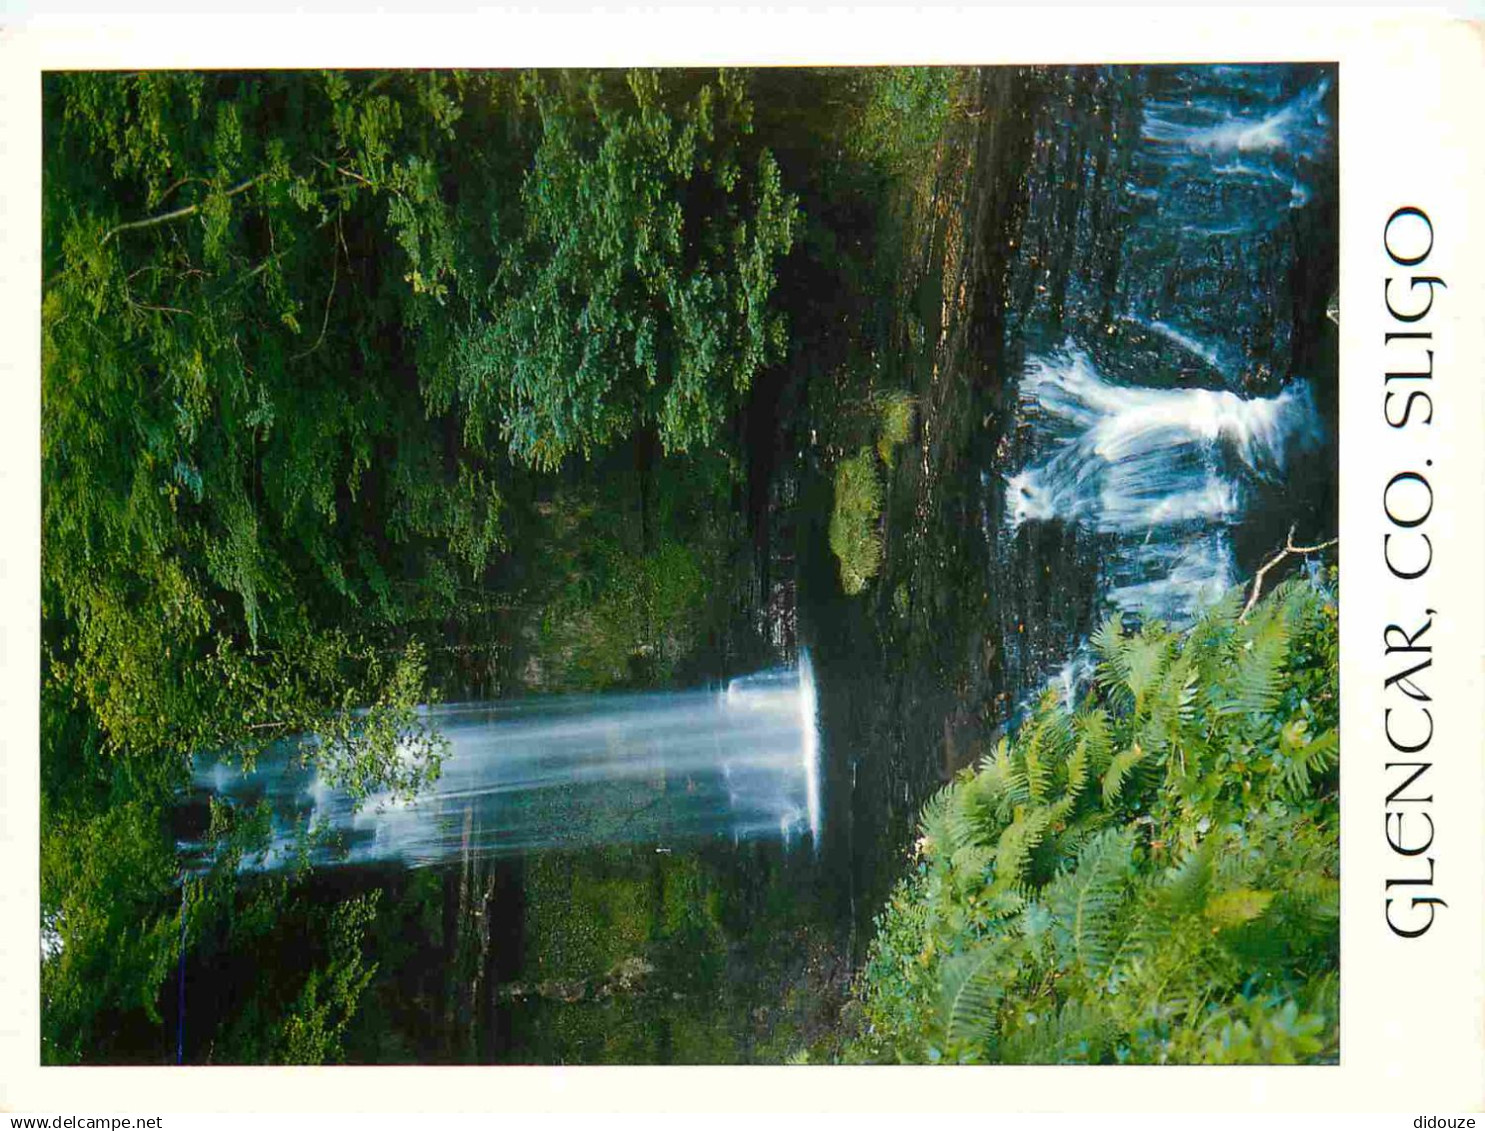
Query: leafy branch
x,y
176,214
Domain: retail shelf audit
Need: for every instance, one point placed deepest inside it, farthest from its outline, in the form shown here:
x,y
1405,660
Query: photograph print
x,y
779,566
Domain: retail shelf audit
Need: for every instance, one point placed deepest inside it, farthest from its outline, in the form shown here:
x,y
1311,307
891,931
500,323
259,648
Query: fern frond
x,y
1219,617
933,824
971,862
1256,683
1183,888
1118,771
1092,729
969,996
1070,841
1001,773
1170,903
1111,673
1078,1033
1173,702
1038,774
1076,771
1085,901
974,815
1017,843
1143,662
1107,641
1306,763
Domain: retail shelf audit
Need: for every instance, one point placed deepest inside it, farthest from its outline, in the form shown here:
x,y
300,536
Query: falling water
x,y
1165,471
663,768
1166,415
1224,160
1234,156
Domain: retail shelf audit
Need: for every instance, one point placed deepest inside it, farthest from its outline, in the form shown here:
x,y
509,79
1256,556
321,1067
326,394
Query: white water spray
x,y
1216,127
1167,470
661,768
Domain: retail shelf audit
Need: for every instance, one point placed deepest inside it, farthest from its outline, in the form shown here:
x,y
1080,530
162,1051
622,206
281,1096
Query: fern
x,y
1037,773
970,994
1256,688
933,823
1084,902
1307,763
1078,1033
1142,662
1017,843
1118,772
1092,729
1186,908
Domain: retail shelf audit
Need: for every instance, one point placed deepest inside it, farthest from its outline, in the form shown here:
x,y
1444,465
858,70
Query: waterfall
x,y
1161,413
666,767
1223,166
1129,457
1166,471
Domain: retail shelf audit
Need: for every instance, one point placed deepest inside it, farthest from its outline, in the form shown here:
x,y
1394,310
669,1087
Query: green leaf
x,y
1231,908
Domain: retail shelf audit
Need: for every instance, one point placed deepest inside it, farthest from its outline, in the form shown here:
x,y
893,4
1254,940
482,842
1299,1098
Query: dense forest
x,y
361,387
363,391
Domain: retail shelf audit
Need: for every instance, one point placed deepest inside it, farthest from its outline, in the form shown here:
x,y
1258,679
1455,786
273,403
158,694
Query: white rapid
x,y
1136,424
1215,155
1167,471
662,768
1220,127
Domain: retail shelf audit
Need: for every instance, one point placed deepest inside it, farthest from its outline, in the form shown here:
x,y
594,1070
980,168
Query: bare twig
x,y
1289,548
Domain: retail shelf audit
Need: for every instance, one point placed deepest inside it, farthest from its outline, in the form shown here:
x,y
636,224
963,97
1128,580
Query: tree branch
x,y
1289,548
177,214
334,278
345,172
178,184
258,270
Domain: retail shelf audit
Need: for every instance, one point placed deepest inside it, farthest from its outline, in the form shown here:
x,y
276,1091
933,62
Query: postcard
x,y
577,543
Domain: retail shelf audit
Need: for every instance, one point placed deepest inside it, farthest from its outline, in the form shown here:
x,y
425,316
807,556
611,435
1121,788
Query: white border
x,y
1410,89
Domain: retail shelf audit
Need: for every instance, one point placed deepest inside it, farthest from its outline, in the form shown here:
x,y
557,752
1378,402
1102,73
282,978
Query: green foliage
x,y
1148,877
630,619
110,925
313,1031
207,466
895,413
601,913
855,538
112,903
634,287
311,345
389,746
279,312
902,115
855,520
242,516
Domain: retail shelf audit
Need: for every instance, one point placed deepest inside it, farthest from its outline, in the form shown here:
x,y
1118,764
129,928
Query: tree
x,y
224,510
244,514
281,313
632,289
